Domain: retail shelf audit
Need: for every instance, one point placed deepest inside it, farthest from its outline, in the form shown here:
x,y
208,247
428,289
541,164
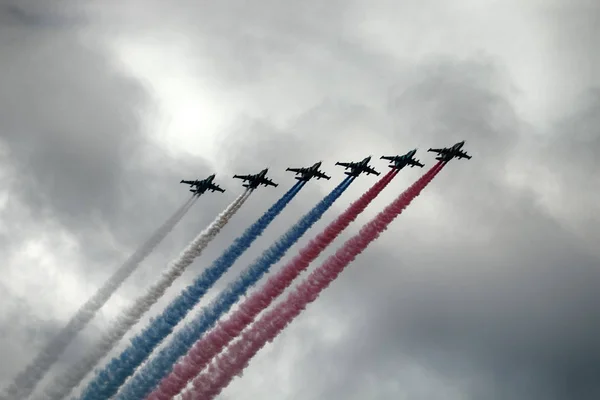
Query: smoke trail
x,y
62,386
218,338
26,381
146,379
234,360
107,382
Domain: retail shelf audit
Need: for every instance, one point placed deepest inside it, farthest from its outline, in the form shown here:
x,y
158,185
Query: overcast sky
x,y
487,287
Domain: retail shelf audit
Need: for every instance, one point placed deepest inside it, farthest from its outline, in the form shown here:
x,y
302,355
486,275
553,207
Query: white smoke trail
x,y
27,380
63,385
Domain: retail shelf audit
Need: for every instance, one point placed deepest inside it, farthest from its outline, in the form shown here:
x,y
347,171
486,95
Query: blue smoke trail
x,y
150,375
108,381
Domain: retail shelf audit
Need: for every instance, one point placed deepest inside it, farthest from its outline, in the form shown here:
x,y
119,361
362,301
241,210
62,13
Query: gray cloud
x,y
59,114
482,289
518,311
36,15
505,312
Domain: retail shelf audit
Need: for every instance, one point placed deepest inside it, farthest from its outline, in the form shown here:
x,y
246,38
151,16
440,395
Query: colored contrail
x,y
27,380
108,381
64,384
217,339
236,357
150,375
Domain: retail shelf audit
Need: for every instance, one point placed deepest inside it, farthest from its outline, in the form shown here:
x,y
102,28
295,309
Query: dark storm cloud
x,y
72,128
497,301
36,15
511,313
64,127
516,317
77,162
15,14
72,125
508,314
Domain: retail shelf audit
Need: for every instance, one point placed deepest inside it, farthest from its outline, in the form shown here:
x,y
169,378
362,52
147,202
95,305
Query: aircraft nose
x,y
368,159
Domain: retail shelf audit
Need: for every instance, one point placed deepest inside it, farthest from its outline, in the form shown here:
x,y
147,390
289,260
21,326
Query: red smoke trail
x,y
224,332
233,361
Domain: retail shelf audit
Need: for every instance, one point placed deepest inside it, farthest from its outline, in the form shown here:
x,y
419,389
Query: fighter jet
x,y
399,162
310,172
255,180
199,187
448,153
357,167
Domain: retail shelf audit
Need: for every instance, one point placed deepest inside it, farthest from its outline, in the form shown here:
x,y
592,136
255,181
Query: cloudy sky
x,y
487,287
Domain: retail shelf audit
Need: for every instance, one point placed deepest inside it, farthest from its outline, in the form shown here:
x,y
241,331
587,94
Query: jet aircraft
x,y
309,172
448,153
198,187
253,181
399,162
357,167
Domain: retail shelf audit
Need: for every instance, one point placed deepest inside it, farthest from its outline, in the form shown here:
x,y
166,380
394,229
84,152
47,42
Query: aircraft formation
x,y
199,360
252,181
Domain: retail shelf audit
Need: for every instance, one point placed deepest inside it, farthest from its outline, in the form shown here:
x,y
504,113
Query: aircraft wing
x,y
321,175
415,163
462,154
267,182
297,170
440,151
193,183
370,170
390,158
243,177
214,187
346,164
